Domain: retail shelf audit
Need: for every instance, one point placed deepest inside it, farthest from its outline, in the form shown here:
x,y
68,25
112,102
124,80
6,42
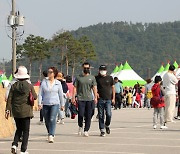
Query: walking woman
x,y
20,108
51,99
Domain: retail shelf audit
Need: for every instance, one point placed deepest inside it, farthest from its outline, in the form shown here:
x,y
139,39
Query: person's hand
x,y
39,107
113,101
62,108
95,101
7,113
97,95
73,100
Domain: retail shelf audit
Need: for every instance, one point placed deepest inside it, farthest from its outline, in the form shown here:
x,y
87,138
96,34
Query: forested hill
x,y
143,45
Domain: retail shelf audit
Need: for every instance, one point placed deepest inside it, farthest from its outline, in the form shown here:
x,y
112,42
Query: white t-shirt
x,y
169,82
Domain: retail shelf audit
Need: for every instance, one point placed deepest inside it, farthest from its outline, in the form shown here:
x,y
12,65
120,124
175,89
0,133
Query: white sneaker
x,y
51,139
58,121
163,127
155,126
86,134
80,131
41,123
62,121
24,152
14,149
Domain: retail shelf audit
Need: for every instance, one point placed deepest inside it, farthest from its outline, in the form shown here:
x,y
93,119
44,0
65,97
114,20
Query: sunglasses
x,y
50,72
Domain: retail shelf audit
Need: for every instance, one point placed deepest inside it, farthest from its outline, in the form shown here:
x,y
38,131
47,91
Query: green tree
x,y
75,54
59,42
88,49
34,48
28,49
42,51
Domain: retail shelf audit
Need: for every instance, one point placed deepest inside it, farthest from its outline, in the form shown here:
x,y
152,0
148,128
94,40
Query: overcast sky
x,y
46,17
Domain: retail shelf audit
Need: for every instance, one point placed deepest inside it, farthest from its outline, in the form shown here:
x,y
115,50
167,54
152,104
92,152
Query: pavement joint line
x,y
108,152
110,137
166,133
114,144
112,129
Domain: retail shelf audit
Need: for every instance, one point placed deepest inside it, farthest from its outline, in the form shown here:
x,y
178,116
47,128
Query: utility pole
x,y
14,21
13,13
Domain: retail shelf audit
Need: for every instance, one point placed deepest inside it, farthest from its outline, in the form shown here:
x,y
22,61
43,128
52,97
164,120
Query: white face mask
x,y
103,72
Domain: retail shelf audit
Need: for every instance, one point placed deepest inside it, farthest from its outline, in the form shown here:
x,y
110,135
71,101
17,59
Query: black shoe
x,y
20,139
108,130
102,134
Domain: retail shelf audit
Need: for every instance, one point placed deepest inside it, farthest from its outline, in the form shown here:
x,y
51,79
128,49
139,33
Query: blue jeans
x,y
50,113
67,105
60,114
104,105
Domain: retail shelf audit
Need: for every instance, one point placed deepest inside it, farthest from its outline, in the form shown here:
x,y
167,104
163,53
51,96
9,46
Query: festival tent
x,y
0,79
161,69
178,72
165,70
120,67
175,64
129,77
119,70
115,70
10,77
5,81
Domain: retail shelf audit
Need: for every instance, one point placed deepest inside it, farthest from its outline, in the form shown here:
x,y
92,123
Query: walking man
x,y
118,93
85,88
106,97
169,82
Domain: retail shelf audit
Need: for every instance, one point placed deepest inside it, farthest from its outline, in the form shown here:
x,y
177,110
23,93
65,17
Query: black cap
x,y
102,67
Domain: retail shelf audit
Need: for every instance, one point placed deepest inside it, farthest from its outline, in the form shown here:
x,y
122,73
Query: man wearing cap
x,y
106,97
169,83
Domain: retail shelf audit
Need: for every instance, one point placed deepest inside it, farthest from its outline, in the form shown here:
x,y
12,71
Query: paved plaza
x,y
131,133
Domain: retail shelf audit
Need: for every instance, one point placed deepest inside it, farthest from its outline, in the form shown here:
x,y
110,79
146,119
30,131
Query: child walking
x,y
157,102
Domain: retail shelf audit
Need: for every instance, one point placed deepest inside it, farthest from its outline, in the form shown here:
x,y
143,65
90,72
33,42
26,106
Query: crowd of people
x,y
60,96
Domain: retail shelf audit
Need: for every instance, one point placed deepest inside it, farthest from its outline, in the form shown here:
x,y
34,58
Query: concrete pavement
x,y
131,133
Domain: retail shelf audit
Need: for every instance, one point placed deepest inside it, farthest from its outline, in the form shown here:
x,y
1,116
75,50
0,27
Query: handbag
x,y
31,97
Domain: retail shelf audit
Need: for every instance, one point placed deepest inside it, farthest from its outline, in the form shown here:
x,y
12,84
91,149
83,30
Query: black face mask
x,y
86,70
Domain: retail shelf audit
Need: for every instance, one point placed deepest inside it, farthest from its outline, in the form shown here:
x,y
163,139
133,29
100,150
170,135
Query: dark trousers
x,y
178,111
22,128
41,115
118,100
85,109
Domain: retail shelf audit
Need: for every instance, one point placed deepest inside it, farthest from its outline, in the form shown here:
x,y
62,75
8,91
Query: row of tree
x,y
67,51
145,46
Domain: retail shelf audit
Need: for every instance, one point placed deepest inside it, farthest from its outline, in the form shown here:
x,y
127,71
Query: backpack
x,y
149,94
